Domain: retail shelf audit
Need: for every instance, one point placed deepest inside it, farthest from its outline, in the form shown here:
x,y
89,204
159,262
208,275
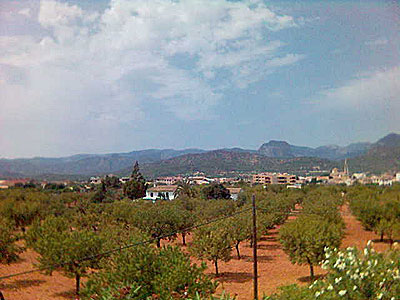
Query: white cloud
x,y
377,92
377,43
26,12
95,66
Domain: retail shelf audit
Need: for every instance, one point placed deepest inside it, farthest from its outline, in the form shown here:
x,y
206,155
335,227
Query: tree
x,y
185,189
305,238
8,249
159,220
212,243
211,209
62,248
136,187
20,212
216,191
144,272
183,219
112,182
389,227
240,229
368,211
377,211
100,195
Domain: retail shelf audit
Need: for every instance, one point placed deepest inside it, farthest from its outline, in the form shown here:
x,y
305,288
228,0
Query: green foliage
x,y
116,235
323,203
215,191
64,248
136,187
159,220
8,249
212,243
183,219
239,228
292,292
21,209
370,275
185,189
206,210
101,193
305,238
351,275
377,209
112,182
54,186
143,272
318,226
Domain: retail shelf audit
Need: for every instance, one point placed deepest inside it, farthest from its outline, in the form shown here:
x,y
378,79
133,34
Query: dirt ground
x,y
274,269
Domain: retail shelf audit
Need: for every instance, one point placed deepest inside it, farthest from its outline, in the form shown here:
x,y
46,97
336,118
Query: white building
x,y
294,186
95,180
234,192
359,176
199,180
161,192
169,180
398,177
124,179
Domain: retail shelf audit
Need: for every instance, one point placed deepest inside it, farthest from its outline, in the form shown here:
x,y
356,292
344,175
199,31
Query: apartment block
x,y
274,178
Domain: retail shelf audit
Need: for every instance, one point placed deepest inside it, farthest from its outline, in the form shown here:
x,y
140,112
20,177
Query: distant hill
x,y
282,149
383,156
85,164
391,140
215,162
278,156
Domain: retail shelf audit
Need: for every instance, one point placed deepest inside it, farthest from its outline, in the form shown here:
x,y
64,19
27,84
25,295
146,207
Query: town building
x,y
169,180
6,183
95,180
359,176
294,186
161,192
234,192
274,178
341,177
124,179
199,180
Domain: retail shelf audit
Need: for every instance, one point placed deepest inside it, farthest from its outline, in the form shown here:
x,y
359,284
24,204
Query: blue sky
x,y
113,76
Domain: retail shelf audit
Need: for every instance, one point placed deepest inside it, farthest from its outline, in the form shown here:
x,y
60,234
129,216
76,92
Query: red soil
x,y
274,269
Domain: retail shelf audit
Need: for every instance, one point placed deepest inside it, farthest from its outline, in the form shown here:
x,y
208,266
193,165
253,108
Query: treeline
x,y
319,225
135,249
125,245
352,274
378,209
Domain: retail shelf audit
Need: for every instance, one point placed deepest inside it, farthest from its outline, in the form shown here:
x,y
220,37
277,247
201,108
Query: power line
x,y
109,252
298,213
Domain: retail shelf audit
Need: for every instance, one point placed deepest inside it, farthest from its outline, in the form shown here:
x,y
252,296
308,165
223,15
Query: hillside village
x,y
165,187
199,150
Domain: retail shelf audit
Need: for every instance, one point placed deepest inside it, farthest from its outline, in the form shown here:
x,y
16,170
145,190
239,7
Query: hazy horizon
x,y
196,148
115,76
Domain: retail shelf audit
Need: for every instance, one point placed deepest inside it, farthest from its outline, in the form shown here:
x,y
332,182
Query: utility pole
x,y
255,272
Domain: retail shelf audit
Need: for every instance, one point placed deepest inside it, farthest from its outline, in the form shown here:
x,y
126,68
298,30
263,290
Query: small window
x,y
151,194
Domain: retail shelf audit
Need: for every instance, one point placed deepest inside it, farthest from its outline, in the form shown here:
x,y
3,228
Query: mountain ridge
x,y
282,149
270,155
383,156
219,162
